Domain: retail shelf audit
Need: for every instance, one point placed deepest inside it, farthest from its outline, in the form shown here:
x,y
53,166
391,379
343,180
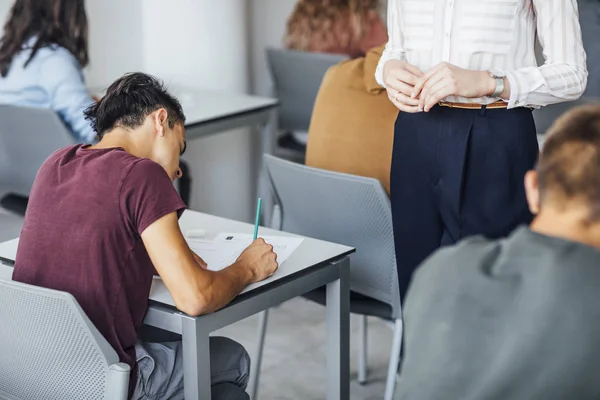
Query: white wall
x,y
4,9
267,21
202,44
115,45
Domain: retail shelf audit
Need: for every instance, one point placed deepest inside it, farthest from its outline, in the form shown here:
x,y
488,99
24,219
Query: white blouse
x,y
496,35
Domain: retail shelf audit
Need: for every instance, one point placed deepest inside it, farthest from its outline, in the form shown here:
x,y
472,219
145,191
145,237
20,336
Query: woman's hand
x,y
445,80
400,78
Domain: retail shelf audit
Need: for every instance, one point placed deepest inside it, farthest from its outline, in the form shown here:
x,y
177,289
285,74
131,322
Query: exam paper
x,y
216,254
225,249
283,246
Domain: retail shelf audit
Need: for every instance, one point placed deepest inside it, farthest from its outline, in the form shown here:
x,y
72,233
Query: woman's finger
x,y
401,87
414,70
404,107
404,99
440,91
427,88
420,83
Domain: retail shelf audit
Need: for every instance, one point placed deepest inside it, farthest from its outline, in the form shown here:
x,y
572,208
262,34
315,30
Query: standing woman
x,y
42,53
464,76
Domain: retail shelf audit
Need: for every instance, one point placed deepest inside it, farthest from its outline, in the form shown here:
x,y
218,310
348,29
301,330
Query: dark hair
x,y
129,100
569,164
53,22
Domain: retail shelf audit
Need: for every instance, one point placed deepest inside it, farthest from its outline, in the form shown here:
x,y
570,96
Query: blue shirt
x,y
52,79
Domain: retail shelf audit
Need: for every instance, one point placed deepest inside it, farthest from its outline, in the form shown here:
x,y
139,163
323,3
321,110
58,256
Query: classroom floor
x,y
294,359
295,355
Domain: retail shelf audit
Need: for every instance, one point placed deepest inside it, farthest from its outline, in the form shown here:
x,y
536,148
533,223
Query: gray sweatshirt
x,y
517,318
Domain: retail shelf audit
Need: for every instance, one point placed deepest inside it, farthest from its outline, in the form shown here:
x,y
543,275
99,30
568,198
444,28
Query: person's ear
x,y
532,191
160,121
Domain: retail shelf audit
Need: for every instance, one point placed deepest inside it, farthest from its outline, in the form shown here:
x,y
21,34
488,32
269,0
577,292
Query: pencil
x,y
258,206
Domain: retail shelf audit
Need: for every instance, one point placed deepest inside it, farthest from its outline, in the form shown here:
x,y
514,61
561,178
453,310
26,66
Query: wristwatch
x,y
499,77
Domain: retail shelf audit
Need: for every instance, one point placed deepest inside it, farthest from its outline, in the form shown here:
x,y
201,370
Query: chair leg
x,y
257,359
362,350
394,361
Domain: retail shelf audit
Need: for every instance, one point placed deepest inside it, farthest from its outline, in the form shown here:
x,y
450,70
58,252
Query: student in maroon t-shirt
x,y
101,218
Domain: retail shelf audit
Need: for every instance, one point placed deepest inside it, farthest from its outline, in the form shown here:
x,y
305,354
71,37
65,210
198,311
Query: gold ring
x,y
396,97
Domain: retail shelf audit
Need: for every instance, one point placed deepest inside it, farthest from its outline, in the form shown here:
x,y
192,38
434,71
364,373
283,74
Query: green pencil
x,y
258,206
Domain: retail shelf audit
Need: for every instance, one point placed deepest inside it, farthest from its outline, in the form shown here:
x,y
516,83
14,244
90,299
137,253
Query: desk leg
x,y
268,136
196,360
338,334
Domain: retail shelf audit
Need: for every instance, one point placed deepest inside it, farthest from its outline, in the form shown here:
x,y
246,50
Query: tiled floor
x,y
294,356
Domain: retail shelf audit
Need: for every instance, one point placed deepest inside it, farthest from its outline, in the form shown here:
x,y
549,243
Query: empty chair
x,y
51,350
297,76
350,210
27,137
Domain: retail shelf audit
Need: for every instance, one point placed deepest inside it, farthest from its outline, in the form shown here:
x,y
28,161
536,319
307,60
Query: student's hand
x,y
200,261
260,259
400,78
445,80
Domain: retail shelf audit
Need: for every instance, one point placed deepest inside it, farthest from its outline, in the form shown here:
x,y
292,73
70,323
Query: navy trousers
x,y
456,173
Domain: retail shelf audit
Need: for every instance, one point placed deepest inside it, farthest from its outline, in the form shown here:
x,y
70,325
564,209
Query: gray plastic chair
x,y
297,77
544,117
50,350
27,137
350,210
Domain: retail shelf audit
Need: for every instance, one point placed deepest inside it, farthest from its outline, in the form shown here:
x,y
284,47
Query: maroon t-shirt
x,y
81,235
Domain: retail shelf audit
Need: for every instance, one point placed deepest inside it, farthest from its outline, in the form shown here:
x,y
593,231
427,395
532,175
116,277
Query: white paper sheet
x,y
283,246
216,254
225,249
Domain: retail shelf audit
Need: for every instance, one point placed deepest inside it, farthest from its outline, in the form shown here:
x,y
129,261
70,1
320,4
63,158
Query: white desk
x,y
209,112
314,264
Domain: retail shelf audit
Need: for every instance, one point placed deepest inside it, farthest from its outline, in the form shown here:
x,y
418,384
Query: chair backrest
x,y
545,116
297,76
50,350
27,137
345,209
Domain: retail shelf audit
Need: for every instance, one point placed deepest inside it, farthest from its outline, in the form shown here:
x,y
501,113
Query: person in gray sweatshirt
x,y
518,318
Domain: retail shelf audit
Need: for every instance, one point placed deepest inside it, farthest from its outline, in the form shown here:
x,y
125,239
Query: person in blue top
x,y
43,50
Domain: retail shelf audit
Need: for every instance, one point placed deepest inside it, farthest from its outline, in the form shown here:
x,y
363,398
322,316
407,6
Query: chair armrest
x,y
118,382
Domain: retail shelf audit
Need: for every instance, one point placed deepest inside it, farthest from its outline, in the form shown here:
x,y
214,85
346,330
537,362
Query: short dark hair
x,y
129,100
52,22
569,164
